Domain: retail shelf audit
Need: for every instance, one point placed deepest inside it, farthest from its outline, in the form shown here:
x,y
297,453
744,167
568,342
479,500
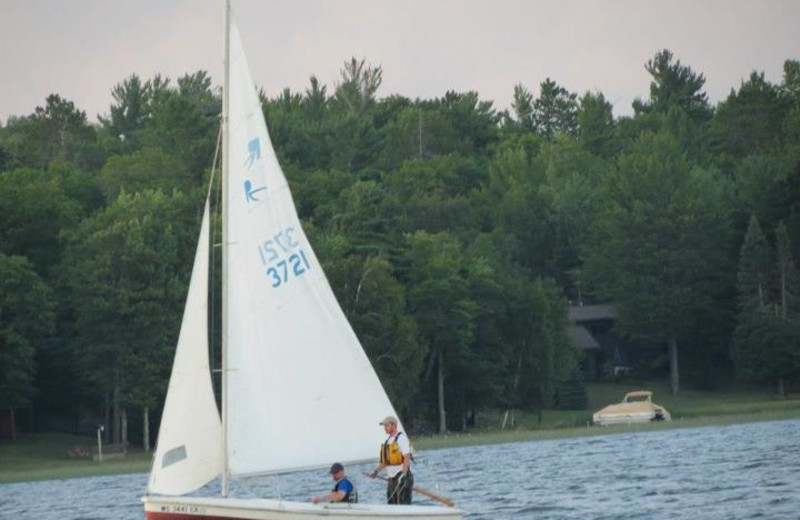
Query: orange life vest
x,y
390,452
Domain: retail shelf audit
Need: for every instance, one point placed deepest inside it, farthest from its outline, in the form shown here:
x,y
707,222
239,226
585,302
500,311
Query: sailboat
x,y
288,351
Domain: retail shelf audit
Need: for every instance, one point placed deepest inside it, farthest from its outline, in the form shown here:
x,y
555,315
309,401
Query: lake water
x,y
742,471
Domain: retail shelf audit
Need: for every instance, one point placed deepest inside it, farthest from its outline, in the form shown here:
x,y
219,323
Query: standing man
x,y
343,490
395,459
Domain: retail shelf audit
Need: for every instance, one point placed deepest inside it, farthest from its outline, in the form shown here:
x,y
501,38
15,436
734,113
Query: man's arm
x,y
336,496
405,449
377,470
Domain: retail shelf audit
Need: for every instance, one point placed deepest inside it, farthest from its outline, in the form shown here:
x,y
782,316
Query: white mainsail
x,y
301,392
188,453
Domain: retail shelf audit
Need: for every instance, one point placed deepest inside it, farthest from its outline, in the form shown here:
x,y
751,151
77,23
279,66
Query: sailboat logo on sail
x,y
250,192
254,153
254,149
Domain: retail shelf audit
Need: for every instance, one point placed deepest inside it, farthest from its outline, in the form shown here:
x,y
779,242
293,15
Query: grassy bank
x,y
45,456
689,409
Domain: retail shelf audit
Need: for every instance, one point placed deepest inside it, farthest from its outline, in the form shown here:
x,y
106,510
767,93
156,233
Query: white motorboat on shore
x,y
636,407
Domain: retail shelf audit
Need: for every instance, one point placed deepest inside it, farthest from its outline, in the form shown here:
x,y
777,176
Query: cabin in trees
x,y
592,330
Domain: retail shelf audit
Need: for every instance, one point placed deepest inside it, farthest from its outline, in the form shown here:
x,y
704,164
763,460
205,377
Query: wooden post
x,y
673,366
123,438
440,374
107,418
115,427
99,444
13,424
146,429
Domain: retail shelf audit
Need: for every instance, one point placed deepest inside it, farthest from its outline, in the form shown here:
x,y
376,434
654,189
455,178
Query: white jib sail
x,y
301,391
188,453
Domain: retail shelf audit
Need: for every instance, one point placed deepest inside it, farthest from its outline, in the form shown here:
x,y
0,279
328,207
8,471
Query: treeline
x,y
453,235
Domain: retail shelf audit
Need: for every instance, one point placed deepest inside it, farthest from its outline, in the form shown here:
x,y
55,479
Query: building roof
x,y
592,313
582,338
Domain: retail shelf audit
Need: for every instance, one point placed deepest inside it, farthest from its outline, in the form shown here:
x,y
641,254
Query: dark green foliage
x,y
359,84
788,280
26,318
756,278
132,108
78,185
750,120
767,336
554,113
595,125
791,81
658,247
125,276
523,108
767,348
185,129
146,169
675,86
34,209
56,131
542,354
760,188
572,392
572,196
5,157
451,233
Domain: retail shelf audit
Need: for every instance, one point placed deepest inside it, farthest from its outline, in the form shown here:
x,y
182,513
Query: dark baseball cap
x,y
336,468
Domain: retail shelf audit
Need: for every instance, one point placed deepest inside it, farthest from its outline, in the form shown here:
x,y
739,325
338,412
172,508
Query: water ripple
x,y
719,473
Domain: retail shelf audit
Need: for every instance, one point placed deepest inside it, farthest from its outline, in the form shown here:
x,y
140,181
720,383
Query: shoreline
x,y
40,468
455,440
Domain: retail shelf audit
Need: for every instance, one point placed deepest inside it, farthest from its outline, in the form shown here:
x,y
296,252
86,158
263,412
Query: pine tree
x,y
788,349
755,267
767,336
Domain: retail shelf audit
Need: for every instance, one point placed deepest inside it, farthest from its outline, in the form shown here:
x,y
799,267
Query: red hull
x,y
152,515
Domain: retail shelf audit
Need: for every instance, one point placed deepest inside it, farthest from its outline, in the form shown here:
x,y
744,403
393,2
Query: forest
x,y
455,236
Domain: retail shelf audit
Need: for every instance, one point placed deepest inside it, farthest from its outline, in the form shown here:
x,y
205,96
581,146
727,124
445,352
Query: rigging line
x,y
212,285
395,492
214,162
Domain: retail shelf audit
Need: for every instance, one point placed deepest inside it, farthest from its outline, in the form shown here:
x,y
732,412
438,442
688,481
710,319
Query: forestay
x,y
188,453
301,392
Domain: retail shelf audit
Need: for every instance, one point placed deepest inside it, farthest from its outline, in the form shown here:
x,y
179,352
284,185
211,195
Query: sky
x,y
80,49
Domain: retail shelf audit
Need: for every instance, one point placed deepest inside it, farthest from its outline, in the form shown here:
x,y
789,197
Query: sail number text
x,y
283,257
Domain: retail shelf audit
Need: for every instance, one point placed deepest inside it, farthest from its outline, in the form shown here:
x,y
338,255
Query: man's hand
x,y
373,474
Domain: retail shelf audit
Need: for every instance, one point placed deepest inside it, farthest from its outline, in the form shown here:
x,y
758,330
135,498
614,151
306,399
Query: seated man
x,y
343,490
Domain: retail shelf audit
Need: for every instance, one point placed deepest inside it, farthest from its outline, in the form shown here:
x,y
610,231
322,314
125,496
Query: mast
x,y
225,158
